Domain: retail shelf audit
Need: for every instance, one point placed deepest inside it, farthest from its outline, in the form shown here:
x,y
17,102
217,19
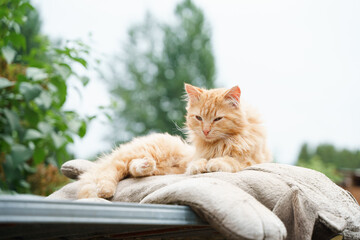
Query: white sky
x,y
298,62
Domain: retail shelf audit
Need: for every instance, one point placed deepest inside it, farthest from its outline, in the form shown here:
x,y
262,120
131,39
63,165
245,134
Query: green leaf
x,y
32,117
13,119
10,168
69,139
39,155
85,80
108,116
8,139
61,90
82,130
17,40
44,100
62,70
24,184
58,140
32,134
16,28
20,153
80,60
9,54
4,83
29,91
45,128
36,74
89,118
74,125
29,169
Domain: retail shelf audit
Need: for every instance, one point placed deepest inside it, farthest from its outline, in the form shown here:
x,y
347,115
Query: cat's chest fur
x,y
217,149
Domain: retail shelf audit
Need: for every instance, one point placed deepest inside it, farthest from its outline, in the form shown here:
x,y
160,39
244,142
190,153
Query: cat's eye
x,y
217,119
198,118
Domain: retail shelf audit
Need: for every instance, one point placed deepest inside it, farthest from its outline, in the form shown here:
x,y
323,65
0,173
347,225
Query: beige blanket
x,y
266,201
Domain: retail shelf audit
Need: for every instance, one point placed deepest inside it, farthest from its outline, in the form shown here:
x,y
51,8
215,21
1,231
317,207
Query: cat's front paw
x,y
218,165
142,167
196,167
106,188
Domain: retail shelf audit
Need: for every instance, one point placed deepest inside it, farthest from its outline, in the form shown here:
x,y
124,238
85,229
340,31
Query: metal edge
x,y
17,210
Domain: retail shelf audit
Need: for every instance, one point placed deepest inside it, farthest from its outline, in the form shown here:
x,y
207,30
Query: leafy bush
x,y
328,159
316,163
34,127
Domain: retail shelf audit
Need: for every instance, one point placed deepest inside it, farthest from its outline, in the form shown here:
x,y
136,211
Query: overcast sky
x,y
298,62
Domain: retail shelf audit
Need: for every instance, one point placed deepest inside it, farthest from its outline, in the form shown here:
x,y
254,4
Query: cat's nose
x,y
206,131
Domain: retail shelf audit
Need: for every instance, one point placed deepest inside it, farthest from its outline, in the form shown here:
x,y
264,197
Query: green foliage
x,y
316,163
34,128
327,159
304,155
341,158
148,79
13,16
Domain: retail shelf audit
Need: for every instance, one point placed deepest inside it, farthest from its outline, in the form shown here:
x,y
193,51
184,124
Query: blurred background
x,y
79,77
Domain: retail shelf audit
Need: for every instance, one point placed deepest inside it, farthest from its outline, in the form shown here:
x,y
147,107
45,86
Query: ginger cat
x,y
155,154
227,134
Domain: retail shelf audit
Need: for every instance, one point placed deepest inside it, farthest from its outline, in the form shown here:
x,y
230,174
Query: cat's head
x,y
213,114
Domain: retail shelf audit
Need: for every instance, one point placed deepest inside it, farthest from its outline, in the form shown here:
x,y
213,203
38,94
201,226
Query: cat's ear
x,y
192,92
233,95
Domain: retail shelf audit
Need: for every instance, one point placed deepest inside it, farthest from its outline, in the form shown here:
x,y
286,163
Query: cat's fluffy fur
x,y
155,154
225,135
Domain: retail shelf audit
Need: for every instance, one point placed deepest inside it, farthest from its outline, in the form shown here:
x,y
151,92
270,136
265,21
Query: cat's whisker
x,y
185,97
183,130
